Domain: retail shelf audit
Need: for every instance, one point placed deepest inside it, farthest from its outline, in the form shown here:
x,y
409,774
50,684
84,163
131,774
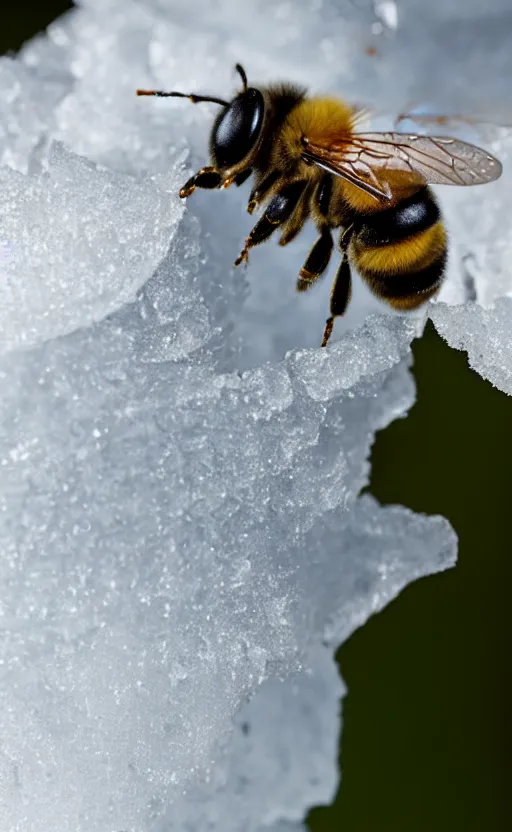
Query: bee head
x,y
238,127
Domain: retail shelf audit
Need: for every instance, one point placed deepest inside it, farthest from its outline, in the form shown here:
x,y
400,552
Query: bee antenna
x,y
195,99
241,71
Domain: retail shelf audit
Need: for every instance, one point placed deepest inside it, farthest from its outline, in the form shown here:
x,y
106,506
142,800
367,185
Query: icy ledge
x,y
484,334
181,548
174,542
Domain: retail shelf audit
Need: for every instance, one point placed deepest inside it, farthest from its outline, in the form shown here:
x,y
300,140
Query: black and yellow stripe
x,y
401,251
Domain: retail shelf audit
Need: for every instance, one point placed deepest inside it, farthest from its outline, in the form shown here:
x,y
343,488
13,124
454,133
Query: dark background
x,y
427,727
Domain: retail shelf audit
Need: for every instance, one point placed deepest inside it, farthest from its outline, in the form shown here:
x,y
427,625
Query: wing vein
x,y
398,160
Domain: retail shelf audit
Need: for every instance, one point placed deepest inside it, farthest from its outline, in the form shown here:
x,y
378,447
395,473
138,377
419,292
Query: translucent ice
x,y
386,10
77,242
271,777
485,334
171,539
183,544
482,248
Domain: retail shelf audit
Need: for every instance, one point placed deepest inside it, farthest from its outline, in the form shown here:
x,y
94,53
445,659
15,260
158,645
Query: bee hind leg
x,y
340,297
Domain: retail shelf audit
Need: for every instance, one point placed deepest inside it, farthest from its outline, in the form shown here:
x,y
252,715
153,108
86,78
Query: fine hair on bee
x,y
308,160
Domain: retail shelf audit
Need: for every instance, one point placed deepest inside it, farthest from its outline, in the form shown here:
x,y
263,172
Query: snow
x,y
387,11
184,544
96,237
483,236
484,334
172,539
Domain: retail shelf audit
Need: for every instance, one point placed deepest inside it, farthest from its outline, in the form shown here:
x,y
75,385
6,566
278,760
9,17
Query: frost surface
x,y
183,544
95,236
483,234
172,539
485,334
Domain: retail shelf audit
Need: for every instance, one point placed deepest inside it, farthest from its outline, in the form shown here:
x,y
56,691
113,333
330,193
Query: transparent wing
x,y
484,129
378,163
438,120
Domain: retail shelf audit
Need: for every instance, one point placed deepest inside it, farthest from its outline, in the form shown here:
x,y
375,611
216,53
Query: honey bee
x,y
308,160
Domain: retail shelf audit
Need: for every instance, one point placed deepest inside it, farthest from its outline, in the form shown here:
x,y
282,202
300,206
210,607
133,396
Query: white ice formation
x,y
183,541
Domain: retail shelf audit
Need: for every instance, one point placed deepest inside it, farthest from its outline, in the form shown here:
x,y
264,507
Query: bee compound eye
x,y
237,129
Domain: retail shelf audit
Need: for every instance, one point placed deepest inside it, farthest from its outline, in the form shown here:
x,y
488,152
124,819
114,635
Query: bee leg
x,y
317,261
296,222
340,296
260,191
205,178
278,211
342,286
240,178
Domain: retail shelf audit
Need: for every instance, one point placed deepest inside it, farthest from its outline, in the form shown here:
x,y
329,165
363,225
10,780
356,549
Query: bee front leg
x,y
211,179
207,177
278,211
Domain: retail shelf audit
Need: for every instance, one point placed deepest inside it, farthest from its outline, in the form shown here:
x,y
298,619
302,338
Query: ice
x,y
23,114
78,242
387,11
173,538
153,576
481,275
297,763
484,334
184,544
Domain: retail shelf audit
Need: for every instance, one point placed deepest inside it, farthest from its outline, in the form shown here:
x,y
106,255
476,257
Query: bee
x,y
309,161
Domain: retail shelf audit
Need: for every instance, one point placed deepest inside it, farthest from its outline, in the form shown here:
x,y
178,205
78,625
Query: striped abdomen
x,y
401,251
